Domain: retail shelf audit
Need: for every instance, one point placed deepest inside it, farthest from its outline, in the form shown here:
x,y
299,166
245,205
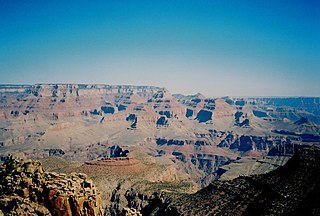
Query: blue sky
x,y
218,48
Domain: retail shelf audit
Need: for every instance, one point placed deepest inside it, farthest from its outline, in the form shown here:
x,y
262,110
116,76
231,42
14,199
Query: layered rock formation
x,y
27,190
283,107
192,134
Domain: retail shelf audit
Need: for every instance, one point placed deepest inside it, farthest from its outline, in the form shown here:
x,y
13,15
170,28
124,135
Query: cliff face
x,y
280,108
290,190
69,100
26,189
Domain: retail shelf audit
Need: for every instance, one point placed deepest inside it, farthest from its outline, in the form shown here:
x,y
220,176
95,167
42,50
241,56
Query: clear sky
x,y
218,48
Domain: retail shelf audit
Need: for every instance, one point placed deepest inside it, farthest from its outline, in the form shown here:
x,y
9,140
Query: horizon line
x,y
222,96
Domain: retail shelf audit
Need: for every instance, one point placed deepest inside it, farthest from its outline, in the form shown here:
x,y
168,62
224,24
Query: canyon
x,y
144,147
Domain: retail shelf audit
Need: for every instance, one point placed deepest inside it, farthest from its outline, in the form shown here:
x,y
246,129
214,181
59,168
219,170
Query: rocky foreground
x,y
25,189
290,190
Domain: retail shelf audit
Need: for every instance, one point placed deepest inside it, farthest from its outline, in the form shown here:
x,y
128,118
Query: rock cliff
x,y
289,190
27,190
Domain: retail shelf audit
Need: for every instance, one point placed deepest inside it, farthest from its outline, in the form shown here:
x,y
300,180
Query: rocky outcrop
x,y
27,189
114,208
136,199
290,190
148,203
130,212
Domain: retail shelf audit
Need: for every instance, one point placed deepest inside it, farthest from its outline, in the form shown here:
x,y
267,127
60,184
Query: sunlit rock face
x,y
27,189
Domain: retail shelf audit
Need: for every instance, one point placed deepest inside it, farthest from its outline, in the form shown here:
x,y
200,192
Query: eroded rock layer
x,y
27,190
